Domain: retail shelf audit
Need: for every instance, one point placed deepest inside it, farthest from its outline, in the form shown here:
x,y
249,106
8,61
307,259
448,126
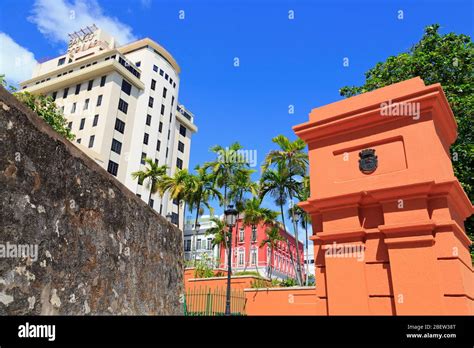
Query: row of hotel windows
x,y
62,60
121,60
86,104
78,89
95,121
162,73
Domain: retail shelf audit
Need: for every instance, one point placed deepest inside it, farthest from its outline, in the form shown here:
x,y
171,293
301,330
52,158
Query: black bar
x,y
192,331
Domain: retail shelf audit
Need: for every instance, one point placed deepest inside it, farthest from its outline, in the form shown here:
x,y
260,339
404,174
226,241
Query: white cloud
x,y
57,18
16,62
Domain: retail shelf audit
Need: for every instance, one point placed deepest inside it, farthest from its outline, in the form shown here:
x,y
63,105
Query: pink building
x,y
247,255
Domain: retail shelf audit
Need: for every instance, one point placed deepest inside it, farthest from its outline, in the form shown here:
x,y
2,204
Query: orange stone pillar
x,y
388,213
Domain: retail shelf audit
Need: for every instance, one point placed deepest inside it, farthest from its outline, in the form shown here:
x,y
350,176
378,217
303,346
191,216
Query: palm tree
x,y
291,156
153,172
219,233
280,184
224,167
273,237
179,186
204,190
255,214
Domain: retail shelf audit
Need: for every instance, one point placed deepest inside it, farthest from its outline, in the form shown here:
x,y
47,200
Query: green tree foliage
x,y
44,107
448,60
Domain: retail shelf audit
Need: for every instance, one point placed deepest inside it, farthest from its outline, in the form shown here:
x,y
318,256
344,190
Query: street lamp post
x,y
230,218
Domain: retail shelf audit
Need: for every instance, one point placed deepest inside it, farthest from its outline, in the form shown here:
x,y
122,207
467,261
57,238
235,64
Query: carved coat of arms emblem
x,y
368,161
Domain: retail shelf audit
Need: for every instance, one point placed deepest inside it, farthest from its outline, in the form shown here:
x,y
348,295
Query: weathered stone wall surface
x,y
101,250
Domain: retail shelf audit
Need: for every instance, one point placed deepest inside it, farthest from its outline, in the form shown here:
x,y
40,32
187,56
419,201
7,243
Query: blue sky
x,y
282,62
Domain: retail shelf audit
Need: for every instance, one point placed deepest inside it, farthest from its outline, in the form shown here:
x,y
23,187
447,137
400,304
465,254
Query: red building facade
x,y
247,255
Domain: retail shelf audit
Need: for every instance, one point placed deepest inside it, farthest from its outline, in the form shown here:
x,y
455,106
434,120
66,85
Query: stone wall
x,y
100,249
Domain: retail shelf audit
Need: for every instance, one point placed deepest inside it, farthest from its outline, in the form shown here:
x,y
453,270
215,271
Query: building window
x,y
162,109
78,88
182,130
158,145
99,100
241,235
150,102
169,132
123,106
209,243
254,234
61,61
91,141
126,87
172,100
66,91
241,258
155,68
102,81
73,108
69,125
151,202
89,86
166,77
174,84
142,161
95,121
137,64
253,256
160,127
167,153
180,146
153,84
54,95
148,120
112,168
179,163
86,104
171,81
145,138
198,244
116,146
119,126
174,218
161,72
164,92
187,245
79,140
83,121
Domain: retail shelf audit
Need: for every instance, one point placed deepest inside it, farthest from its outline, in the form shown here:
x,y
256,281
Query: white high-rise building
x,y
121,103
